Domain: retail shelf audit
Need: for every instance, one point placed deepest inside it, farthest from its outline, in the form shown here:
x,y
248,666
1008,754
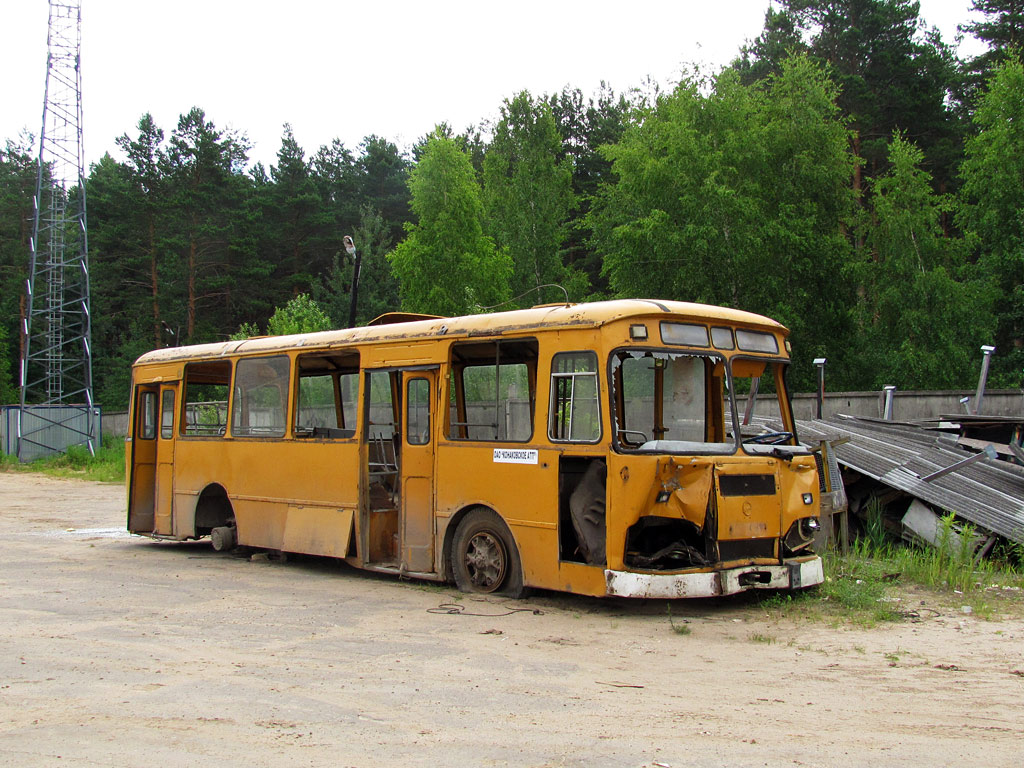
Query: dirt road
x,y
118,651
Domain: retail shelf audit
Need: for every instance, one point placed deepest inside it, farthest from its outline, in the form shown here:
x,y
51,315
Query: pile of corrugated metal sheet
x,y
902,462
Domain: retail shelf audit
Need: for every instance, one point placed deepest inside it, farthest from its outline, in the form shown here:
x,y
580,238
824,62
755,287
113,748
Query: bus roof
x,y
593,314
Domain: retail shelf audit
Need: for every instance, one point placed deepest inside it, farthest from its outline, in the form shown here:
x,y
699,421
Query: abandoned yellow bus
x,y
598,448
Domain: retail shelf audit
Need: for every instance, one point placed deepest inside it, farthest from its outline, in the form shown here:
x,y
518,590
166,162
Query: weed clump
x,y
107,466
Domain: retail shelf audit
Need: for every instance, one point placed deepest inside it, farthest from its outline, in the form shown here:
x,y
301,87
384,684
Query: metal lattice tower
x,y
57,408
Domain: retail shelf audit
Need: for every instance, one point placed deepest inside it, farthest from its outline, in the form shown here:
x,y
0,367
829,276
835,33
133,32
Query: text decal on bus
x,y
514,456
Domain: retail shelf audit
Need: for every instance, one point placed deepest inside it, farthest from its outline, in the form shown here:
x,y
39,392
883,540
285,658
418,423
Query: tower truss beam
x,y
57,408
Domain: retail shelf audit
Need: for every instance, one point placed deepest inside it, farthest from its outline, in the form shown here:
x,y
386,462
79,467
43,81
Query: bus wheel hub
x,y
485,561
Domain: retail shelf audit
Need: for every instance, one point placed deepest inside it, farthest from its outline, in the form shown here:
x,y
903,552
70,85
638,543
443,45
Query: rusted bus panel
x,y
538,319
325,531
524,494
755,513
142,483
630,482
540,540
263,478
763,497
314,529
299,471
682,487
582,579
402,355
800,490
158,372
260,522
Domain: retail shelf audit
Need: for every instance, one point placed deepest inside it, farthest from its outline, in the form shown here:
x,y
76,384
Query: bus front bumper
x,y
792,575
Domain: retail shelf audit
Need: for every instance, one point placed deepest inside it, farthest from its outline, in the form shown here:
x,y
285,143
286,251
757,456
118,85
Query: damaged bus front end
x,y
705,503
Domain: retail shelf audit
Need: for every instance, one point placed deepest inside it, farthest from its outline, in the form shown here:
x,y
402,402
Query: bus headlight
x,y
801,533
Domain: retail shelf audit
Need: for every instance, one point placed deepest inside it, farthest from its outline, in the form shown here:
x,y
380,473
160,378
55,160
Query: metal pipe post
x,y
820,362
890,391
987,352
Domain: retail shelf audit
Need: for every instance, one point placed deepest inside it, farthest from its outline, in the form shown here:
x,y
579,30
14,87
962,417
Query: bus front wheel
x,y
484,556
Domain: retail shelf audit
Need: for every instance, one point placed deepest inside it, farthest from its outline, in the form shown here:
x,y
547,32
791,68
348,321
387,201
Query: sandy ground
x,y
118,651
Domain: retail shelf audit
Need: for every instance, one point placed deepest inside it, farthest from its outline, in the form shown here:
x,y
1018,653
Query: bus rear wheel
x,y
484,556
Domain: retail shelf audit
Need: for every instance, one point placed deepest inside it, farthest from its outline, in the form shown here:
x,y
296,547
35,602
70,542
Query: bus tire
x,y
484,557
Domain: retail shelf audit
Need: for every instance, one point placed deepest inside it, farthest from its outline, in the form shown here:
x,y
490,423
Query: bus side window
x,y
575,416
327,395
494,389
417,419
167,415
260,397
147,414
206,398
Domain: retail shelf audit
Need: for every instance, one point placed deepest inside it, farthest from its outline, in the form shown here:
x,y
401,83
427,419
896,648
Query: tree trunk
x,y
191,328
157,335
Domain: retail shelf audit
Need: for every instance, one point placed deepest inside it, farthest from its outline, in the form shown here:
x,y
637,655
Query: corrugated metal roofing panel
x,y
988,493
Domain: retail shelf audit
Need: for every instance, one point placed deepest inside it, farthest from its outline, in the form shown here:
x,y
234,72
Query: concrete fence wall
x,y
907,406
115,423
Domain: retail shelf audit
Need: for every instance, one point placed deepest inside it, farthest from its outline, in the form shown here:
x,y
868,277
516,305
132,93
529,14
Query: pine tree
x,y
207,193
18,172
1002,29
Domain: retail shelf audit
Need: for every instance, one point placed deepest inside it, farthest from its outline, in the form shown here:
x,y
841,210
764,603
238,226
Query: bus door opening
x,y
142,500
382,417
165,460
417,470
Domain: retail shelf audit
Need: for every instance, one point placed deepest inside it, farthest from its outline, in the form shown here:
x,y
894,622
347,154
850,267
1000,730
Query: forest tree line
x,y
847,175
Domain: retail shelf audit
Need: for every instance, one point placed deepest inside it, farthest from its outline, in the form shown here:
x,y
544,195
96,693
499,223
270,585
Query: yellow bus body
x,y
606,463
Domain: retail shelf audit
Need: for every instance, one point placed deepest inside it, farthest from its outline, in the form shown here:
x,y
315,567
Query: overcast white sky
x,y
343,69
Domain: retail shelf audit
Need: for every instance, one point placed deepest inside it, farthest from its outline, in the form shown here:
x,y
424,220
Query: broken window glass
x,y
759,388
327,395
670,402
206,398
493,390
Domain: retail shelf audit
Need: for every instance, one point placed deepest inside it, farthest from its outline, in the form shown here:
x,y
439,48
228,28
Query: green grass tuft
x,y
107,466
679,629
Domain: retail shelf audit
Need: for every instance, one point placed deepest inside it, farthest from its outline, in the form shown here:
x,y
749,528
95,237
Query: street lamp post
x,y
350,249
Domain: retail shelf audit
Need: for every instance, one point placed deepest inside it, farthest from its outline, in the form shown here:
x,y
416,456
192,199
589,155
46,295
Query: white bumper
x,y
792,575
